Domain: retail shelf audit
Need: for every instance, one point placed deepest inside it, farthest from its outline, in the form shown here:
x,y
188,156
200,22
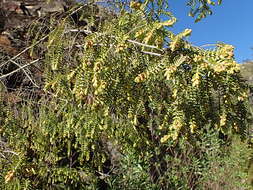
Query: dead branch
x,y
20,68
26,49
28,76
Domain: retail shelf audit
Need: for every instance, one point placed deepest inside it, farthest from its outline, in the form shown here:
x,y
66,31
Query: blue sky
x,y
230,23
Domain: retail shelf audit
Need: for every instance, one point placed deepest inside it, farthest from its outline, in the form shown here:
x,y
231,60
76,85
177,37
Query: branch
x,y
2,155
24,51
9,151
77,30
151,53
208,45
20,68
130,41
28,76
145,45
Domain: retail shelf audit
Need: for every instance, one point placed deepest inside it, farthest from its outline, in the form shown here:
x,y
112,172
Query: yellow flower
x,y
226,51
9,176
186,32
100,88
197,58
196,79
219,68
159,41
121,47
204,65
175,44
223,119
174,94
135,5
170,22
148,37
177,124
234,67
141,77
89,44
95,82
193,126
169,71
236,127
174,136
135,121
165,138
243,96
140,32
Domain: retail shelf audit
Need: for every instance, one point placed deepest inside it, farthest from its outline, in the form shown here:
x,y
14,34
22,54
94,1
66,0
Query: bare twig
x,y
20,68
2,143
25,50
2,155
145,52
145,45
9,151
208,45
151,53
130,41
28,76
77,30
77,10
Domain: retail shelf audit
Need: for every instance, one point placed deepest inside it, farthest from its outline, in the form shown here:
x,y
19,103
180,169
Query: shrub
x,y
123,111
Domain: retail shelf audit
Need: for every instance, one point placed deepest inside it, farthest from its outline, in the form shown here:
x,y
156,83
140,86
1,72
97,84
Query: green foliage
x,y
123,111
206,165
51,155
201,8
229,171
179,86
198,8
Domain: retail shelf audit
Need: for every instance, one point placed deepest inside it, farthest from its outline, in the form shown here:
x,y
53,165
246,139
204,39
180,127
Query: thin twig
x,y
9,151
77,9
28,76
151,53
145,45
77,30
20,68
208,45
2,155
130,41
2,143
145,52
25,50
